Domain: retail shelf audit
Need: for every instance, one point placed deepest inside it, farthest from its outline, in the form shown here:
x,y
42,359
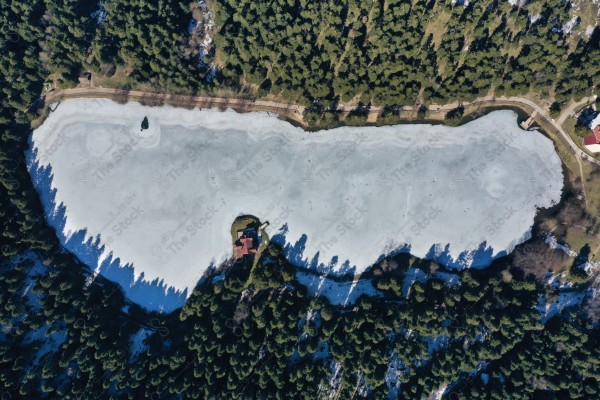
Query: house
x,y
246,247
247,243
592,142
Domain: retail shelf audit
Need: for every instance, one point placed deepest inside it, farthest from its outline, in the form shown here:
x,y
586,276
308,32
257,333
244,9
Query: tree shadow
x,y
153,295
583,256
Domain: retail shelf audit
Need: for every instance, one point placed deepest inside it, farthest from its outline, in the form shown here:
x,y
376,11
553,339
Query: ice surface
x,y
152,209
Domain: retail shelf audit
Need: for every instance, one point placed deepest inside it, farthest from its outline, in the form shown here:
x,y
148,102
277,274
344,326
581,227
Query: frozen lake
x,y
152,209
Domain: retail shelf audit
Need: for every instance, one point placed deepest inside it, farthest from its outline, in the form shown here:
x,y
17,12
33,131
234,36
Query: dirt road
x,y
198,101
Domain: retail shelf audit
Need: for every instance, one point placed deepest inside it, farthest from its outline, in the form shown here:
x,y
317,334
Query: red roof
x,y
594,138
247,247
590,139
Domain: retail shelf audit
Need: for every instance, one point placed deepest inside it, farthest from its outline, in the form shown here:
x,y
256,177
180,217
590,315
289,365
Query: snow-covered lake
x,y
152,209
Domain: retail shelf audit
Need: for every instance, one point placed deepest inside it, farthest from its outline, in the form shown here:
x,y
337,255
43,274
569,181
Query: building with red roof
x,y
247,243
592,142
245,248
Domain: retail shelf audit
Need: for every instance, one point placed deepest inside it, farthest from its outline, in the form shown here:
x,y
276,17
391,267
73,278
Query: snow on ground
x,y
100,14
439,394
452,389
588,266
34,273
464,3
46,339
413,275
480,367
418,275
49,343
451,280
517,3
152,209
568,27
338,293
485,378
589,30
553,244
575,12
201,26
393,375
335,380
436,343
565,300
322,352
137,339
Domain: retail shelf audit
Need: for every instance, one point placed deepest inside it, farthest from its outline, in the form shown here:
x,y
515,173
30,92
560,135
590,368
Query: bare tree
x,y
572,212
389,264
537,258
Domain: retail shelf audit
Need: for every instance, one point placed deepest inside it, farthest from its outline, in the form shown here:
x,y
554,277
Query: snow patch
x,y
338,293
553,243
49,343
412,275
451,280
393,375
517,3
485,378
436,343
439,394
565,300
100,14
568,27
137,339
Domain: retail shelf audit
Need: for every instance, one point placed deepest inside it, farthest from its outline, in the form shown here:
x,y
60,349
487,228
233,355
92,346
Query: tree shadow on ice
x,y
481,257
153,295
294,252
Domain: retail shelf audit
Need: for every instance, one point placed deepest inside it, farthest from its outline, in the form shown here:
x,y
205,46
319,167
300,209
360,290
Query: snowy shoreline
x,y
137,205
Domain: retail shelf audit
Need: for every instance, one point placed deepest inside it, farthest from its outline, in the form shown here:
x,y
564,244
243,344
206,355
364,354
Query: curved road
x,y
297,110
520,101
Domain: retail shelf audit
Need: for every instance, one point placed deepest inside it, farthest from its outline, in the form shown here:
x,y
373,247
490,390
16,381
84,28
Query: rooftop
x,y
245,244
594,138
590,139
